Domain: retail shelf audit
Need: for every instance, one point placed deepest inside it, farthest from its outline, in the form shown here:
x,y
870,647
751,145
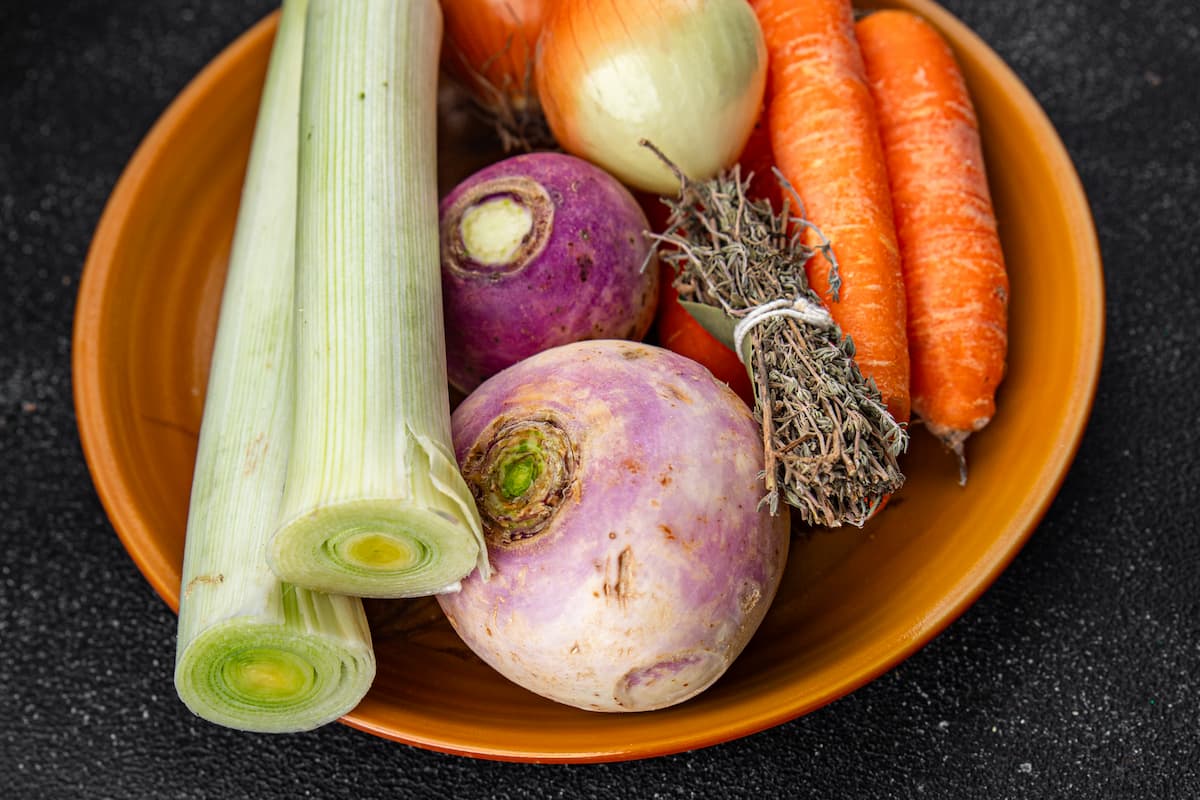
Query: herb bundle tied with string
x,y
831,447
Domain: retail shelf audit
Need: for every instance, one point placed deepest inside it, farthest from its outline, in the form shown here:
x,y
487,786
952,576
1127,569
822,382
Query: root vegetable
x,y
825,139
540,250
954,272
619,485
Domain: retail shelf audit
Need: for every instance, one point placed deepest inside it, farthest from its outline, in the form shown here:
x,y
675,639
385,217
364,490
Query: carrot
x,y
826,143
954,270
679,332
756,163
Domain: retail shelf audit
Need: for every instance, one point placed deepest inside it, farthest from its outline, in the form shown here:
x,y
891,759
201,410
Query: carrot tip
x,y
955,442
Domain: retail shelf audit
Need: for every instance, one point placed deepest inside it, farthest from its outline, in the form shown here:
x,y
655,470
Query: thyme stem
x,y
830,447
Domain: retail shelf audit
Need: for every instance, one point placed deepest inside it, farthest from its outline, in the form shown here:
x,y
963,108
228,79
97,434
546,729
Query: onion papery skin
x,y
686,75
491,47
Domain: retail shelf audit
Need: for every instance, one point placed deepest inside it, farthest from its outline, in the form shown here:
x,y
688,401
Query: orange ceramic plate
x,y
853,604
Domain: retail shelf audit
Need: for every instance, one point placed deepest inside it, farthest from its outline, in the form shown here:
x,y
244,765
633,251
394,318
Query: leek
x,y
252,652
374,503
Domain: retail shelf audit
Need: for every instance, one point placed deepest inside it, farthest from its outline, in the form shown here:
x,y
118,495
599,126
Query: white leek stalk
x,y
374,504
255,653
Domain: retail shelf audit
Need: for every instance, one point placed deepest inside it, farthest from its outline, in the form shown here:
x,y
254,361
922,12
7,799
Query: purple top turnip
x,y
540,250
619,486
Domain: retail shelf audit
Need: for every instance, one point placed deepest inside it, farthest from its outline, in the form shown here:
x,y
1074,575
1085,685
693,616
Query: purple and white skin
x,y
619,486
540,250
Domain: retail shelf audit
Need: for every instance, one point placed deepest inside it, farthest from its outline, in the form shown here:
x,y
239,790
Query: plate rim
x,y
123,514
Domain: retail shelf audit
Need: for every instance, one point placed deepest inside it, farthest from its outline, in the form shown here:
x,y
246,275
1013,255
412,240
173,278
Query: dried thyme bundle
x,y
831,447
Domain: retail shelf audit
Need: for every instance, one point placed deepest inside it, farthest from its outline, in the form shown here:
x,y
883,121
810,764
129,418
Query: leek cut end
x,y
374,548
267,678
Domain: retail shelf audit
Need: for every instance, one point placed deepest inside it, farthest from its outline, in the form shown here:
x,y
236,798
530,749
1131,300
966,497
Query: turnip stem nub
x,y
494,231
519,475
497,227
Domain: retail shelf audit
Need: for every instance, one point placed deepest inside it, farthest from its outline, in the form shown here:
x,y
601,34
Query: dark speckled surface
x,y
1075,675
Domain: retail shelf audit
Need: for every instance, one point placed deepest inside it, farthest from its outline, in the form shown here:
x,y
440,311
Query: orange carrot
x,y
954,270
826,143
679,332
756,162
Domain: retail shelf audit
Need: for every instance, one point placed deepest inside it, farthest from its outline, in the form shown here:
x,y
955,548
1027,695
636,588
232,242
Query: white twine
x,y
801,308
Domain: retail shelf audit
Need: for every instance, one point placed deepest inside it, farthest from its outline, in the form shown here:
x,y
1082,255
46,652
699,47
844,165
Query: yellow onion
x,y
686,75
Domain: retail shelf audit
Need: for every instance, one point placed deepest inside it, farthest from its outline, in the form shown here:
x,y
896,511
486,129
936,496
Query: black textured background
x,y
1074,676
